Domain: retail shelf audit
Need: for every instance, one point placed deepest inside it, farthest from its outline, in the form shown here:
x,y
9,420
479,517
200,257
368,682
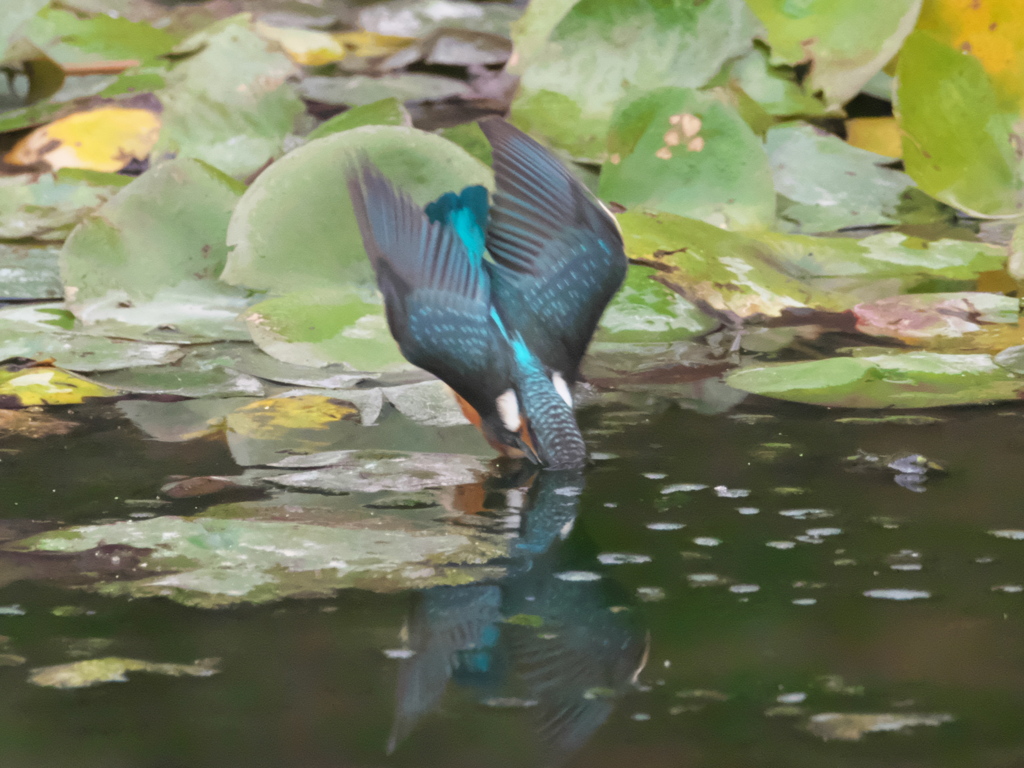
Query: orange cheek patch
x,y
474,418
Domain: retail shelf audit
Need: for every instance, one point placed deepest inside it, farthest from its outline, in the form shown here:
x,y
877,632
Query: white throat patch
x,y
508,410
562,388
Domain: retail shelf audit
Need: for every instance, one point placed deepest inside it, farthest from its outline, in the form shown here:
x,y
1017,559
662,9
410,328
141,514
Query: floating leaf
x,y
909,380
213,563
228,104
845,41
427,402
775,89
578,59
313,48
45,385
663,137
358,90
963,154
270,417
830,184
928,315
69,38
644,310
416,18
151,256
383,112
113,669
880,135
48,208
294,228
29,272
850,726
101,139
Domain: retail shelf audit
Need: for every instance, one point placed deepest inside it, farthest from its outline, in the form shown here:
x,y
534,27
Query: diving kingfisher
x,y
506,334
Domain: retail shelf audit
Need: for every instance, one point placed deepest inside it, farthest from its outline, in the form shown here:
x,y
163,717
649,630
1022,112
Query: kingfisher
x,y
507,333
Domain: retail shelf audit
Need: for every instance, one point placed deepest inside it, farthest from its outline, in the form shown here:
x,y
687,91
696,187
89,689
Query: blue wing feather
x,y
558,253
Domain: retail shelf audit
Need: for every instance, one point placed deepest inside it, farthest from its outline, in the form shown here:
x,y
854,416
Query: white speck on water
x,y
797,697
611,504
399,653
742,589
748,510
665,526
804,601
622,558
805,514
898,594
704,579
906,567
984,560
650,594
731,493
1009,588
569,490
11,610
508,702
578,576
780,544
707,541
640,716
1009,534
655,475
818,533
682,488
603,456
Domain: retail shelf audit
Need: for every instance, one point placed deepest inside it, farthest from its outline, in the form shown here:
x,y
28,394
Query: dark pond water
x,y
736,636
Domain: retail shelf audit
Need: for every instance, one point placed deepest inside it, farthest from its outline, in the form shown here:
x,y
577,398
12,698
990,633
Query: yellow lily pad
x,y
313,48
102,139
880,135
45,385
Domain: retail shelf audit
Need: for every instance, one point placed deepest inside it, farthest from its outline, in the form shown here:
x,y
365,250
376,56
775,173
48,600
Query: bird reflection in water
x,y
563,648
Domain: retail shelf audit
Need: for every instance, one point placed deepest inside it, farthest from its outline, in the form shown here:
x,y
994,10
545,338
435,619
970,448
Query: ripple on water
x,y
665,526
898,594
578,576
622,558
682,488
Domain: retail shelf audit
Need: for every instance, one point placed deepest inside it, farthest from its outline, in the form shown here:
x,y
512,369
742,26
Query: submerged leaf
x,y
113,669
265,418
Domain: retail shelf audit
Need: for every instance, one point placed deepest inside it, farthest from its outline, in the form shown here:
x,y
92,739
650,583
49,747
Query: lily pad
x,y
963,154
151,256
29,272
228,103
415,18
685,152
775,88
428,402
845,41
72,39
359,90
909,380
644,310
22,386
113,669
829,184
578,59
372,471
214,563
294,228
383,112
929,315
48,208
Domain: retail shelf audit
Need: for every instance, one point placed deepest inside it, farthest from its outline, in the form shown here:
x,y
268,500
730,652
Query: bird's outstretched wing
x,y
438,298
558,252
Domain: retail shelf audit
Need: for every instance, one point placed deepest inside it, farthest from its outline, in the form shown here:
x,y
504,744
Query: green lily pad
x,y
294,228
318,328
578,59
774,88
416,18
152,255
16,17
113,669
845,41
214,563
770,272
909,380
829,184
255,362
29,272
645,310
77,352
71,39
228,103
383,112
964,153
359,90
427,402
685,152
48,208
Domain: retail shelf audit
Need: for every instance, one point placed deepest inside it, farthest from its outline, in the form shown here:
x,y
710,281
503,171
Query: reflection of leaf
x,y
578,59
294,228
909,380
102,139
963,153
269,417
45,385
153,253
845,41
82,674
671,134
